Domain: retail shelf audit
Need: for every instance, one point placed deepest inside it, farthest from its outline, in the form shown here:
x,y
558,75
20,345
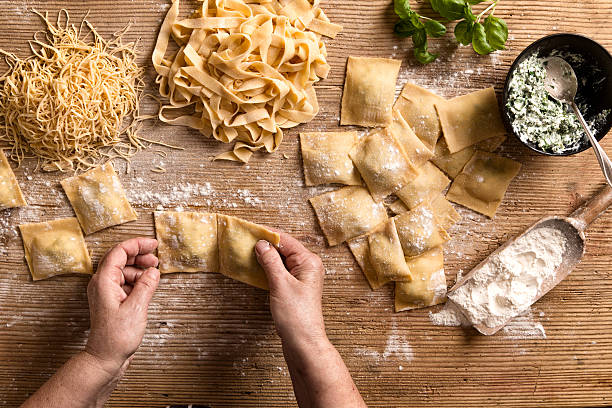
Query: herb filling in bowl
x,y
540,119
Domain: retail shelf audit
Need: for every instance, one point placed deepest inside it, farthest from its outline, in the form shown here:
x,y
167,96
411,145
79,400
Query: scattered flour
x,y
449,315
523,327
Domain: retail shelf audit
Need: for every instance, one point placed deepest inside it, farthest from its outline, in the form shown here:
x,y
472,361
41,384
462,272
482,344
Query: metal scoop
x,y
572,228
561,84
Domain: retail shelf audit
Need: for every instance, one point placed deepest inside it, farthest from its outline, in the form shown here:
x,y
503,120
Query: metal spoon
x,y
561,84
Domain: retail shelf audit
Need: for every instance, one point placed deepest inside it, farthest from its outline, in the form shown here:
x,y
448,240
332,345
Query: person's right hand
x,y
296,287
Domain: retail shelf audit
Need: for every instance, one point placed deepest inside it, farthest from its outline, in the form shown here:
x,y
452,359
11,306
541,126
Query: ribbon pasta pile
x,y
245,68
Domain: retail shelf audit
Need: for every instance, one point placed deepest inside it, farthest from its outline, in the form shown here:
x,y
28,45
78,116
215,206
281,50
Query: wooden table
x,y
211,340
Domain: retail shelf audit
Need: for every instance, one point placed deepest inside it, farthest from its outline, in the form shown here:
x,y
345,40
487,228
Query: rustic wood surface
x,y
211,340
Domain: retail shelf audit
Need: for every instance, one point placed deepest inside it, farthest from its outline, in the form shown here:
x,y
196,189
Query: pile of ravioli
x,y
420,144
188,241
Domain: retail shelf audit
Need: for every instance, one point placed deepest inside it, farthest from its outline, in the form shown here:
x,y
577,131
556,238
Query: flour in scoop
x,y
511,280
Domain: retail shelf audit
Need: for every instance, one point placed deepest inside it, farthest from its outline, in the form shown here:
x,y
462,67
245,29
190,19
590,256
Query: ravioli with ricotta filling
x,y
98,199
360,248
347,213
326,160
386,255
445,213
236,240
187,241
415,150
369,90
430,183
382,163
453,163
10,193
419,230
483,182
428,285
55,248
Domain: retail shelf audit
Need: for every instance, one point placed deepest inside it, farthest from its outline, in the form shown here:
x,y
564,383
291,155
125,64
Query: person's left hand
x,y
119,294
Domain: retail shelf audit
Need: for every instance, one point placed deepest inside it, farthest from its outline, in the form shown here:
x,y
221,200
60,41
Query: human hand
x,y
296,286
119,294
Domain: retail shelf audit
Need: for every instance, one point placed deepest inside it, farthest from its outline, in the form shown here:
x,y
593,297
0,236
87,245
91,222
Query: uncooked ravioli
x,y
326,160
10,193
428,286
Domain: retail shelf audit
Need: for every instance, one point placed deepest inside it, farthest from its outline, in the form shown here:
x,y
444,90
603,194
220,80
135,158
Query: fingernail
x,y
261,247
153,272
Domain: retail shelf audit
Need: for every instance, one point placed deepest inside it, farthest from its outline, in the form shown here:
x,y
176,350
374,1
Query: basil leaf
x,y
468,15
450,9
402,8
416,20
404,28
434,28
479,40
424,56
472,2
463,32
496,31
419,38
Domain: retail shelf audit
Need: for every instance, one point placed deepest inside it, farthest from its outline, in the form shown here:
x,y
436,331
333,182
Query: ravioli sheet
x,y
369,90
187,241
244,70
236,240
416,105
419,230
428,286
469,119
347,213
382,163
360,247
98,199
10,193
55,248
416,151
326,160
483,182
429,184
453,163
386,255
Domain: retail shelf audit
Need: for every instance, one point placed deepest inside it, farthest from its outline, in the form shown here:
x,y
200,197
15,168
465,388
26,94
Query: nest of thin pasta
x,y
75,101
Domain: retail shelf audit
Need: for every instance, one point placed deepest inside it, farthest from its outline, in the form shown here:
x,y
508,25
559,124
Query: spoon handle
x,y
602,157
589,211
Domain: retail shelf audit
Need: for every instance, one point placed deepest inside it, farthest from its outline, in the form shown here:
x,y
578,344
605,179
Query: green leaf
x,y
404,28
434,28
402,8
416,20
496,31
419,38
472,2
468,15
463,32
423,56
450,9
479,40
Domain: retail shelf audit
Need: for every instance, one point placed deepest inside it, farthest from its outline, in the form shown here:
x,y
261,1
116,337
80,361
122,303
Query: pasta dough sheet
x,y
386,255
419,230
382,163
55,248
347,213
428,286
187,241
482,183
416,151
98,199
429,184
445,213
453,163
469,119
369,90
10,193
416,105
237,259
326,160
360,248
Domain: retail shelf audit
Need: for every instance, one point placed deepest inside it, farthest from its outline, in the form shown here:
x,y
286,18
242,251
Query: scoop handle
x,y
589,211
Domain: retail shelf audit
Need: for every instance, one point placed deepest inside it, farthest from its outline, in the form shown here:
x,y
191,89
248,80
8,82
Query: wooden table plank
x,y
211,340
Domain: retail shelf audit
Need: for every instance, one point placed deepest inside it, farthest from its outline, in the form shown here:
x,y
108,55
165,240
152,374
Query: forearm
x,y
84,381
320,377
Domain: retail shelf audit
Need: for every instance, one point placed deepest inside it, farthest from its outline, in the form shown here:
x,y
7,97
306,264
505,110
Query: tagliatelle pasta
x,y
246,69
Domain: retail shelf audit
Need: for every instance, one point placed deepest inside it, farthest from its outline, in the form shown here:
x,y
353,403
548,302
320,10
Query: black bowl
x,y
597,60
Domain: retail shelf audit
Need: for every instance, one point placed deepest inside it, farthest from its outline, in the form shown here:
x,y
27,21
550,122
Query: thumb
x,y
271,262
143,290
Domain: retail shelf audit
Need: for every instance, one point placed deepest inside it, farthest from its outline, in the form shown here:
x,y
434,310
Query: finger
x,y
295,253
272,264
146,261
124,254
131,274
143,290
127,289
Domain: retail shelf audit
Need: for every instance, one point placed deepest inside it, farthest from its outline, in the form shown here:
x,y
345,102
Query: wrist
x,y
113,369
306,343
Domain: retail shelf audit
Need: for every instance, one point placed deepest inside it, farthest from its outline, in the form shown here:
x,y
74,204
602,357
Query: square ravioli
x,y
469,119
236,240
98,199
416,151
453,163
187,241
428,286
369,90
483,182
360,248
10,193
386,255
429,184
445,213
382,163
416,105
419,230
346,213
326,160
55,248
